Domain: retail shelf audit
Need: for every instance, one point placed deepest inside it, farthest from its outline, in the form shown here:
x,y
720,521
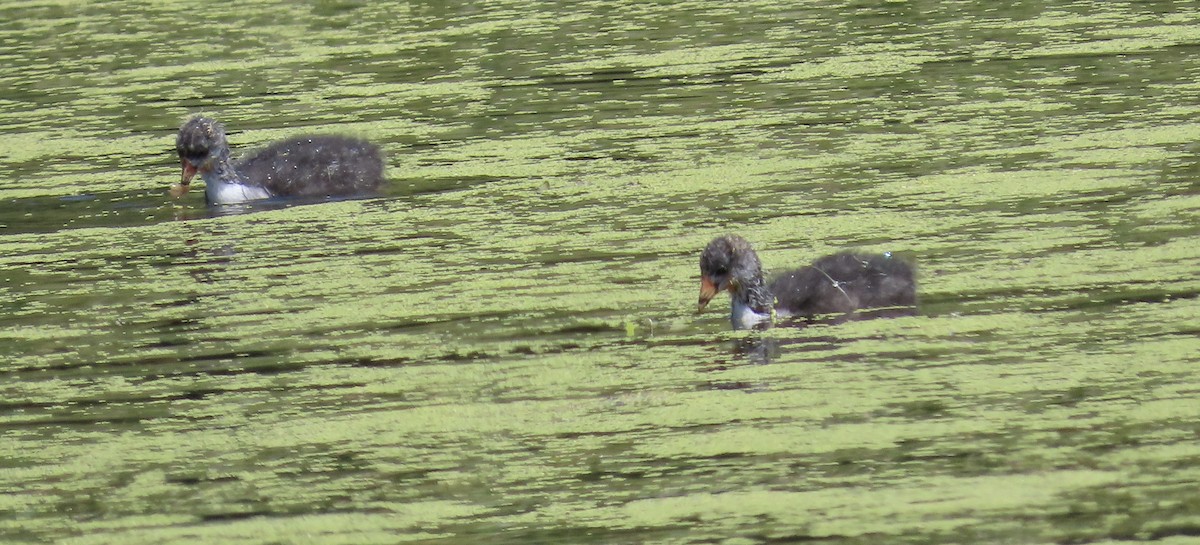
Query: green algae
x,y
503,346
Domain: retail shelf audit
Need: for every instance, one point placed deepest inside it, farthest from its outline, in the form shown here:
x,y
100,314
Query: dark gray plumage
x,y
840,283
307,166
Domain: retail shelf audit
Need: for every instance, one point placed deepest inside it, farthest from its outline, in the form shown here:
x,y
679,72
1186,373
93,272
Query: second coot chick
x,y
308,166
841,283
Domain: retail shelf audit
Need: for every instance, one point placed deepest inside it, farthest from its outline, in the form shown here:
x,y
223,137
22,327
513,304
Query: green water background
x,y
502,348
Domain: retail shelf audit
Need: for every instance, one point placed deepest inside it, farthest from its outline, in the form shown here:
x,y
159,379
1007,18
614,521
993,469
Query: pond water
x,y
503,347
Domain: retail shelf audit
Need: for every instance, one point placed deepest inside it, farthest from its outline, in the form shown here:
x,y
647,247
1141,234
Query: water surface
x,y
503,347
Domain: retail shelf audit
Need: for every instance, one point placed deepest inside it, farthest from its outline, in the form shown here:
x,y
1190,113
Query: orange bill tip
x,y
189,172
708,290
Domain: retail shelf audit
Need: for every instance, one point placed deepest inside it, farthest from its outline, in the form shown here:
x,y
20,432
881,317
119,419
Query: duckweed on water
x,y
503,345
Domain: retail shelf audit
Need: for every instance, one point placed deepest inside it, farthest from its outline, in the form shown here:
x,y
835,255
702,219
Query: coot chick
x,y
841,283
307,166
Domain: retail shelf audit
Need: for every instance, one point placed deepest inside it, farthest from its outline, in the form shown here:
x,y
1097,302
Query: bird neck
x,y
753,304
222,170
224,185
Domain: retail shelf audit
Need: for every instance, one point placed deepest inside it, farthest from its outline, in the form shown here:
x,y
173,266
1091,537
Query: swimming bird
x,y
306,166
840,283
